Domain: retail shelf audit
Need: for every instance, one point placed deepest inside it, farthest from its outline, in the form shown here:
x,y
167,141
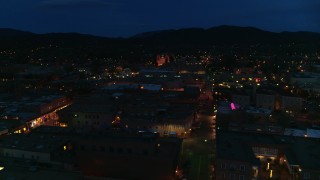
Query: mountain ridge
x,y
76,47
226,28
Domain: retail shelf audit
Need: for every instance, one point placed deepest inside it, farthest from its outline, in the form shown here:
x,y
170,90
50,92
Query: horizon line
x,y
153,31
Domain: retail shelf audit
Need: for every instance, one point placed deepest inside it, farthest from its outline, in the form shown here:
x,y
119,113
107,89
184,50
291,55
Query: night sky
x,y
128,17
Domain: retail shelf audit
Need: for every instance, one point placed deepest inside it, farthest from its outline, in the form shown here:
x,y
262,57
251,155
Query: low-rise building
x,y
265,99
235,159
291,103
280,157
40,148
118,154
241,99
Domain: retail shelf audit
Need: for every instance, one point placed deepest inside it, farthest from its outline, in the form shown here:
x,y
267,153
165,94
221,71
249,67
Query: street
x,y
198,151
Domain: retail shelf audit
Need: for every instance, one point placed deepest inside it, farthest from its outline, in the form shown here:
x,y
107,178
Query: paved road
x,y
198,151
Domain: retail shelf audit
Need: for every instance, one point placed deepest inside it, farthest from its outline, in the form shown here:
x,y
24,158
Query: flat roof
x,y
13,172
32,142
298,150
230,147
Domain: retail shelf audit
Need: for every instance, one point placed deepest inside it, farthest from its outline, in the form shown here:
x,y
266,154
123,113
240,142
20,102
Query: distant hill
x,y
220,34
226,34
75,47
6,32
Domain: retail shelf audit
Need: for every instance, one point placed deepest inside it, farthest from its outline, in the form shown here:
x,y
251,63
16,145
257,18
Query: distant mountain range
x,y
220,34
228,34
6,32
77,47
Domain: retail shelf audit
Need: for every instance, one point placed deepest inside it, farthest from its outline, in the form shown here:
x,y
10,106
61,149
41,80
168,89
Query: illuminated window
x,y
63,125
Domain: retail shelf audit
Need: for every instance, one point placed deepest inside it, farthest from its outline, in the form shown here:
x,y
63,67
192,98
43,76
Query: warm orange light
x,y
63,125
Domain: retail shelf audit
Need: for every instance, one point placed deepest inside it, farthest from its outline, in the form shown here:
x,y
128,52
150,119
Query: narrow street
x,y
198,151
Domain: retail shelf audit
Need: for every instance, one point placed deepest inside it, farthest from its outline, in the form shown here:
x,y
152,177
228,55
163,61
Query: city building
x,y
265,99
262,156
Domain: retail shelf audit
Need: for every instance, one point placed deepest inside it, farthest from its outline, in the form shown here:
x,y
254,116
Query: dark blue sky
x,y
129,17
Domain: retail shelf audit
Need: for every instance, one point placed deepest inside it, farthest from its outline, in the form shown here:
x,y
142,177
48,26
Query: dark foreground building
x,y
110,154
243,155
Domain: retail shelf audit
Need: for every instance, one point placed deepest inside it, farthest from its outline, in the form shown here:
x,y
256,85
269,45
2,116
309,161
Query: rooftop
x,y
230,147
32,142
298,150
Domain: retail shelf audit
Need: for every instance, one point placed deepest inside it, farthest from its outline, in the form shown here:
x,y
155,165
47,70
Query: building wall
x,y
54,104
310,174
228,169
265,101
38,156
4,131
127,158
297,80
265,151
242,100
181,129
86,119
291,103
165,129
